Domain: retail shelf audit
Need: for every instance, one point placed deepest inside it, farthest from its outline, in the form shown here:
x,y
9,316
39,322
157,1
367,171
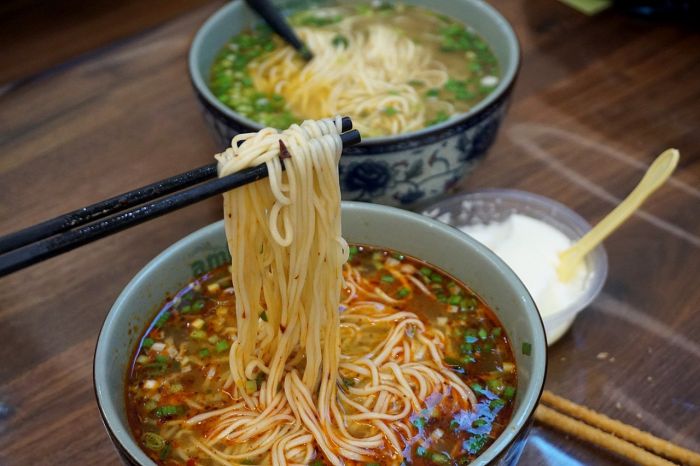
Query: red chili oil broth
x,y
192,327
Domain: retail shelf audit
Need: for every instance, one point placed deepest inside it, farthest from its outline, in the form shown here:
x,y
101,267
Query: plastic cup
x,y
496,205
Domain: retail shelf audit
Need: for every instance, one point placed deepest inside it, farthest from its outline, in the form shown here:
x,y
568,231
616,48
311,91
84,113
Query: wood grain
x,y
41,34
597,99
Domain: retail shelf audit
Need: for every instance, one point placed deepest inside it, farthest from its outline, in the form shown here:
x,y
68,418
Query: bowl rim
x,y
502,90
598,256
127,446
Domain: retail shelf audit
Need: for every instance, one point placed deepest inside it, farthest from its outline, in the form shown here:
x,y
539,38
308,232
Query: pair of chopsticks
x,y
66,232
616,436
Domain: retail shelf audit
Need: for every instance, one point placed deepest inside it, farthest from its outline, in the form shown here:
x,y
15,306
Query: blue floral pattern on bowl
x,y
409,170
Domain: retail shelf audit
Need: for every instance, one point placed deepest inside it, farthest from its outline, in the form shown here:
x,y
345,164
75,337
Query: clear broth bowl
x,y
496,205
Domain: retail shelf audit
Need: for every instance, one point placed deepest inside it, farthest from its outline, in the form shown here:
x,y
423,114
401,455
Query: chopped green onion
x,y
167,411
495,385
162,359
221,345
319,21
263,316
354,250
527,348
147,342
483,333
403,292
479,422
433,92
454,300
198,334
340,40
390,111
436,278
496,332
165,451
204,352
509,392
162,319
251,386
316,463
388,278
198,305
440,458
439,118
468,304
153,441
496,403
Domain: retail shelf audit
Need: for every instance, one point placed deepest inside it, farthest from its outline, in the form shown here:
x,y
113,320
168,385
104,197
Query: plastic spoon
x,y
656,175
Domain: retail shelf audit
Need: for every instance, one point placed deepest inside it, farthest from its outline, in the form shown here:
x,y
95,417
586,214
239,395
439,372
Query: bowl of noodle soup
x,y
426,83
439,246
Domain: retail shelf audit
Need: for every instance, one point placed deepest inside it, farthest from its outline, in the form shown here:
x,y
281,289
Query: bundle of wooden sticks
x,y
618,437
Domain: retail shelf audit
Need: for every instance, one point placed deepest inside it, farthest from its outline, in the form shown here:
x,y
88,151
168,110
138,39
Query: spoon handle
x,y
657,174
279,24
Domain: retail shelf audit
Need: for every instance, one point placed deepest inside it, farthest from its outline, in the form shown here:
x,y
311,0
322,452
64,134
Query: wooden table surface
x,y
597,99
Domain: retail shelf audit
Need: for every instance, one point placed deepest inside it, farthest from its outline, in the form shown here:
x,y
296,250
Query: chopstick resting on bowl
x,y
82,226
610,434
277,22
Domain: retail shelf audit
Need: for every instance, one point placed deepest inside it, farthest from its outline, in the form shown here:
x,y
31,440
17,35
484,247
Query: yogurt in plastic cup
x,y
492,215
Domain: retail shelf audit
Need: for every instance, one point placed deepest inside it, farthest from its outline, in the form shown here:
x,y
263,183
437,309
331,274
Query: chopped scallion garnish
x,y
222,345
153,441
167,411
251,386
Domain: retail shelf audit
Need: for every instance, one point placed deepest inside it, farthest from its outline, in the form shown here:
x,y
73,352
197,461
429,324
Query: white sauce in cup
x,y
531,248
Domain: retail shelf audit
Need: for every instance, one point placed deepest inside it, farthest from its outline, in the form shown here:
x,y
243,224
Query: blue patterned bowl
x,y
401,170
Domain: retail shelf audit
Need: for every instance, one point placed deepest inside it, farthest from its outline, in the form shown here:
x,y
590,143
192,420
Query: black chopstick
x,y
46,248
279,24
114,204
